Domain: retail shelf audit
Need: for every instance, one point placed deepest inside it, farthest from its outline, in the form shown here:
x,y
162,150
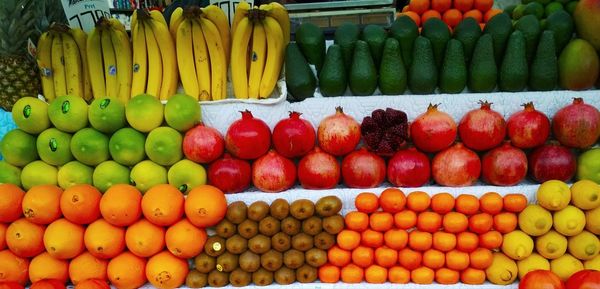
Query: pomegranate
x,y
338,134
203,144
528,128
482,129
577,125
273,173
584,279
229,174
552,162
293,137
248,138
433,130
456,166
409,168
363,169
318,170
505,165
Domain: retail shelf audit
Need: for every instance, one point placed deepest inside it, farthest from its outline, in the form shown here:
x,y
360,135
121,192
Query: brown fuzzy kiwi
x,y
240,278
328,206
205,263
225,229
237,212
312,226
195,279
324,241
302,242
302,209
281,242
218,278
306,274
259,244
293,259
236,244
214,246
291,226
271,260
227,262
315,257
249,261
269,226
258,211
262,277
248,229
280,209
334,224
285,276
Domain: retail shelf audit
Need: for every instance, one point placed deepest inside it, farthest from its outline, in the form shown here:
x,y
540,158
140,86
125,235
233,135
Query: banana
x,y
140,61
96,67
73,65
185,55
169,59
202,61
176,19
239,75
217,59
81,39
58,66
134,20
275,48
257,59
241,10
218,17
158,16
120,42
114,23
280,14
155,68
44,62
110,64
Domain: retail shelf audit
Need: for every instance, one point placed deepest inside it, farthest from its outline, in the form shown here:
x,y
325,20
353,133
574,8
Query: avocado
x,y
346,36
375,36
311,40
438,33
514,72
544,69
333,79
499,27
453,75
529,25
363,74
405,30
423,74
563,26
483,72
392,73
299,78
468,32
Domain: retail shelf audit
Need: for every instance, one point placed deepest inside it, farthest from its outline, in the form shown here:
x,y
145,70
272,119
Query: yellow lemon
x,y
535,220
569,221
565,266
551,245
585,194
517,245
502,271
592,264
592,221
553,195
584,246
531,263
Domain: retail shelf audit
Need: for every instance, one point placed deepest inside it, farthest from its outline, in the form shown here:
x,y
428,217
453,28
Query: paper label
x,y
85,13
229,6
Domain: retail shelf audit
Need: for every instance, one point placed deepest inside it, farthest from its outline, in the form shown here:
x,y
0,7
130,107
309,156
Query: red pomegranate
x,y
456,166
363,169
203,144
318,170
433,130
338,134
482,129
229,174
409,168
273,173
577,125
505,165
293,137
528,128
552,162
248,138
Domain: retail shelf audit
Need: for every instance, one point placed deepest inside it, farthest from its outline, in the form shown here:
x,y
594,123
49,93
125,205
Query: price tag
x,y
229,6
85,13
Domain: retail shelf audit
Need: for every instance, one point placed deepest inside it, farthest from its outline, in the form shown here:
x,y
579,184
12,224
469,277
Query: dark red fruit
x,y
433,130
552,162
248,138
505,165
293,137
409,168
203,144
229,174
318,170
528,128
273,173
456,166
577,125
363,169
338,134
385,131
482,129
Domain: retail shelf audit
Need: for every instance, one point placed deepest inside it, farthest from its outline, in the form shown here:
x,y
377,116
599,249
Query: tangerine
x,y
86,266
165,271
205,206
357,221
405,219
41,204
104,240
442,203
184,240
418,201
63,239
376,274
163,205
329,273
381,221
422,275
80,204
366,202
352,274
127,271
398,275
44,266
491,203
24,238
11,202
396,239
392,200
145,239
121,205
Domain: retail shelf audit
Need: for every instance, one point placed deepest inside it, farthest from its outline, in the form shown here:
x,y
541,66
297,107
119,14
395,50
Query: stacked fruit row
x,y
540,8
452,12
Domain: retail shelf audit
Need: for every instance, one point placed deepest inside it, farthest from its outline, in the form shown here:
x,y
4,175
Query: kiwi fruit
x,y
236,244
262,277
225,229
293,259
302,209
249,261
334,224
205,263
280,209
324,241
218,278
290,226
214,246
258,211
259,244
328,206
315,257
248,229
240,278
195,279
312,226
302,242
227,262
281,242
284,276
271,260
306,274
237,212
269,226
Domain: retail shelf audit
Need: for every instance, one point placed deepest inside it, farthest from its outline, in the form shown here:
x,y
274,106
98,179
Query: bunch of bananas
x,y
61,58
154,61
260,36
203,46
109,60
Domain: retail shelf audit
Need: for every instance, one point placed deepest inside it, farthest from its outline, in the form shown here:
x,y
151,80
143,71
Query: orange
x,y
386,257
446,276
457,260
463,5
205,206
514,203
454,222
418,201
409,259
93,284
441,5
121,205
481,258
80,204
472,276
452,17
44,266
429,222
475,14
483,5
505,222
329,273
163,205
490,14
357,221
491,203
145,239
414,16
398,275
491,240
127,271
392,200
444,241
47,284
467,241
418,6
13,268
430,14
467,204
363,256
442,203
184,240
481,223
405,219
104,240
3,228
381,221
348,240
396,239
422,275
63,239
11,200
434,259
25,238
352,274
86,266
41,204
366,202
338,256
376,274
420,241
165,271
371,238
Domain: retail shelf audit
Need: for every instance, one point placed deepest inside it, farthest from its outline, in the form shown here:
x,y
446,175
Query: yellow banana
x,y
175,21
133,20
218,17
58,66
217,59
280,14
185,55
73,66
81,39
158,16
257,59
275,48
155,68
202,61
114,23
44,62
140,61
110,64
169,59
120,42
241,10
239,47
96,66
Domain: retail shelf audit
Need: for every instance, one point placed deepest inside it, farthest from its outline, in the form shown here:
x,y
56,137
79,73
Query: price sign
x,y
85,13
229,6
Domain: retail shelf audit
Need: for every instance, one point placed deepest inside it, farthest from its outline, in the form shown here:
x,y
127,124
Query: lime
x,y
592,221
144,112
584,246
68,113
534,8
53,146
570,7
535,220
31,115
544,2
565,266
518,12
553,195
553,7
551,245
74,173
517,245
588,166
531,263
563,2
110,173
569,221
126,146
18,148
585,195
526,2
182,112
106,115
186,175
592,264
9,174
148,174
38,173
163,146
90,146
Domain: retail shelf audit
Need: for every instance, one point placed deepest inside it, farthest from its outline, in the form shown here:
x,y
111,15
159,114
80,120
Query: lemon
x,y
502,271
535,220
531,263
553,195
551,245
584,246
592,221
592,264
565,266
517,245
569,221
585,194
